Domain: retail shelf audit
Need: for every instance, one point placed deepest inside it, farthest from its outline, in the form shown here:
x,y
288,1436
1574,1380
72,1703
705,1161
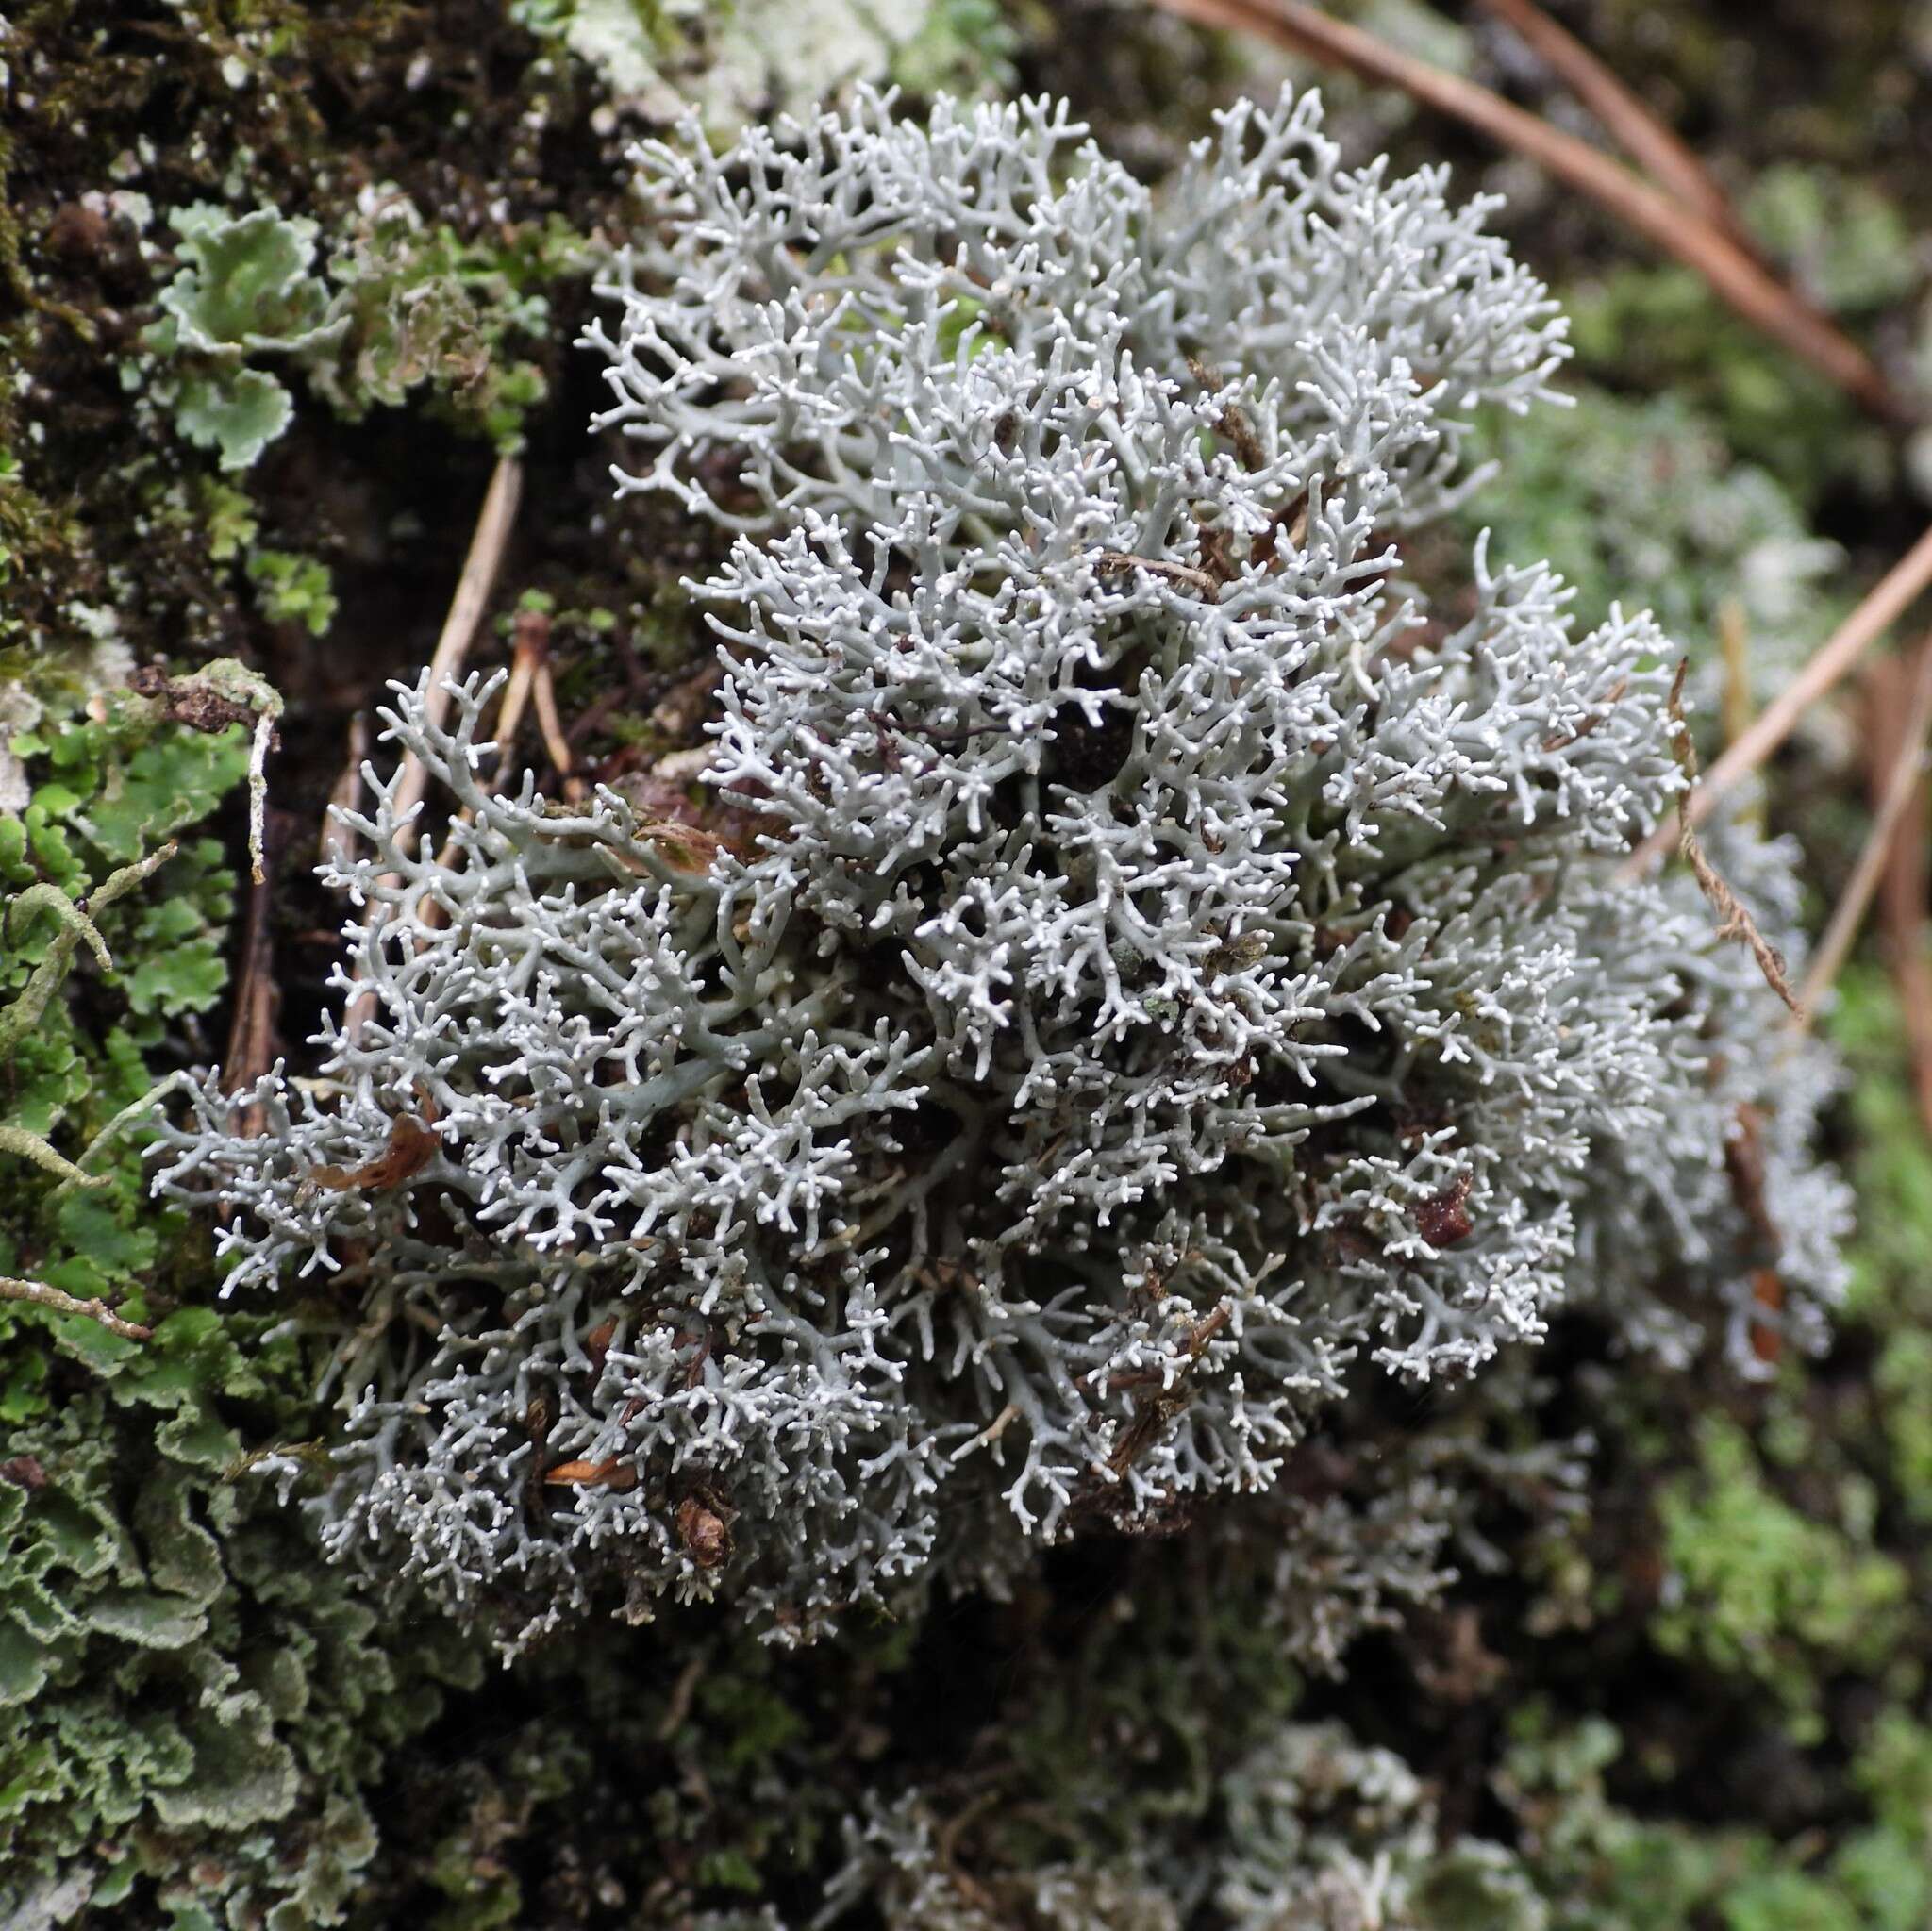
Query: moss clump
x,y
1758,1588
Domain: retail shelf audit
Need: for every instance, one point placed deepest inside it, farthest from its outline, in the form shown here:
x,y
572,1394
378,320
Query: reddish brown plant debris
x,y
704,1532
620,1475
412,1147
1442,1219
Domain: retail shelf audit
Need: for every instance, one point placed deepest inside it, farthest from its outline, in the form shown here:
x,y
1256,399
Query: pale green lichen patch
x,y
747,58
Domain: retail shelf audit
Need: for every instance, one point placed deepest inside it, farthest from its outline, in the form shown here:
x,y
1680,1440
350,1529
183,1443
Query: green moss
x,y
1639,503
1661,330
293,590
1758,1589
737,59
1838,237
425,309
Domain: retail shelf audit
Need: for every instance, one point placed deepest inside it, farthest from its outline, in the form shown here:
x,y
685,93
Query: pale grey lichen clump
x,y
1317,1831
1136,971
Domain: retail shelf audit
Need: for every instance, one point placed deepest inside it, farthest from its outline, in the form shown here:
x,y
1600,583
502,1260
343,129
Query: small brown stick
x,y
1654,148
1882,607
1114,561
494,522
1734,921
510,711
486,544
336,845
1902,786
43,1296
1732,274
252,1037
1902,907
555,743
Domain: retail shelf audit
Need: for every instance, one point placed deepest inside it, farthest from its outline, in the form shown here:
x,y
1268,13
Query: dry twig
x,y
1650,143
1902,786
1883,605
486,544
1734,921
43,1296
1735,274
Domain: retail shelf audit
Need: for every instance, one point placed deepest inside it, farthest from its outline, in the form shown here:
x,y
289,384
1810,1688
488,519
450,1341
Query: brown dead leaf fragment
x,y
1768,1291
598,1342
23,1471
412,1147
1442,1219
620,1475
704,1532
191,701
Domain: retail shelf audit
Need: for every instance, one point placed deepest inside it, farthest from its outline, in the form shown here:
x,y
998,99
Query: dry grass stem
x,y
509,717
1734,921
1883,605
487,542
1734,640
1902,787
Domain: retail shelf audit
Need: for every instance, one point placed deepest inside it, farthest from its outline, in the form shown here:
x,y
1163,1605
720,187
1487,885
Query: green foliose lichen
x,y
401,303
193,1705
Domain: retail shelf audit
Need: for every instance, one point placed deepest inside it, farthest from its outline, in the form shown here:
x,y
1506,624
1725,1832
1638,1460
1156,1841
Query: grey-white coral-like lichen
x,y
1133,970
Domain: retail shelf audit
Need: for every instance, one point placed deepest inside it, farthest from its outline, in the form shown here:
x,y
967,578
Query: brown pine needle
x,y
1734,921
1650,143
1901,787
1882,607
1734,273
1902,894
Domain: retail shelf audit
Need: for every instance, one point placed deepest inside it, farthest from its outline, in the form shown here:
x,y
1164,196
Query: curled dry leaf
x,y
1442,1219
412,1147
598,1342
620,1475
705,1533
